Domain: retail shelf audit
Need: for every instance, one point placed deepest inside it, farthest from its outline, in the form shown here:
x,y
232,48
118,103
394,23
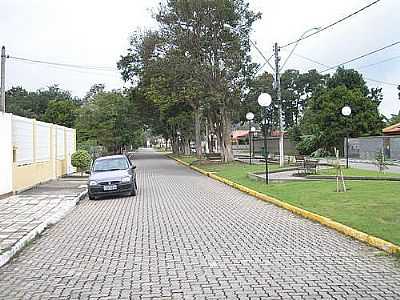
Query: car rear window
x,y
111,164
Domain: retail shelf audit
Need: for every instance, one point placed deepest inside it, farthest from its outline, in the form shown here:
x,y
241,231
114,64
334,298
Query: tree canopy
x,y
199,55
323,118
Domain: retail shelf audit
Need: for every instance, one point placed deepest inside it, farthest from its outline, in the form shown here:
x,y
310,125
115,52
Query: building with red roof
x,y
392,130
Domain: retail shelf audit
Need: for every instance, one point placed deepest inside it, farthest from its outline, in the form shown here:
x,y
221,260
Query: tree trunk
x,y
226,140
186,146
175,146
197,125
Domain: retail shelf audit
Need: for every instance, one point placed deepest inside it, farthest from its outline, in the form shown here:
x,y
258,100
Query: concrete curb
x,y
6,256
351,232
332,177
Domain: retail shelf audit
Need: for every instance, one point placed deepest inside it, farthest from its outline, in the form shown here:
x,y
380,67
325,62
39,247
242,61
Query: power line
x,y
311,60
81,71
382,82
327,66
331,25
361,56
379,62
97,68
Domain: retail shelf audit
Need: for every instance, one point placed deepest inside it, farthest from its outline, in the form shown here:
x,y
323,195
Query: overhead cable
x,y
332,24
327,66
361,56
97,68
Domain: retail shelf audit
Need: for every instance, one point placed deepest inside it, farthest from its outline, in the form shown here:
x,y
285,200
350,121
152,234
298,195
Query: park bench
x,y
305,165
214,156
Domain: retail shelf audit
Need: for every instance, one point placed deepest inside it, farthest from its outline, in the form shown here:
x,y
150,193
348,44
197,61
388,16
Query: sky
x,y
96,33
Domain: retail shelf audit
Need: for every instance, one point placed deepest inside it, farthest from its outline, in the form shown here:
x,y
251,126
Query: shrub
x,y
81,160
321,153
308,145
380,162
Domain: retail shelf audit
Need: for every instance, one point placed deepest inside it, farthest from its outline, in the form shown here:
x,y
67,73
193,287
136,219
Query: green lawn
x,y
235,170
358,172
371,207
186,158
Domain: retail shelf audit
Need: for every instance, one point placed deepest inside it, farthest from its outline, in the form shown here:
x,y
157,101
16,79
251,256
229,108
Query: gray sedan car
x,y
111,175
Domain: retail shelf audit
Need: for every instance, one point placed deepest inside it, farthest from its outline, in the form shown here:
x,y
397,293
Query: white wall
x,y
70,149
42,141
22,138
60,143
5,153
34,143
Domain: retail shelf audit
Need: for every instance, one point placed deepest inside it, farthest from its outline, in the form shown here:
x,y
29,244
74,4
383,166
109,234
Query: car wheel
x,y
134,189
91,197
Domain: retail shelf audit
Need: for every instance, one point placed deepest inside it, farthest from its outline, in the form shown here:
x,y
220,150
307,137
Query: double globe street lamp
x,y
264,100
346,112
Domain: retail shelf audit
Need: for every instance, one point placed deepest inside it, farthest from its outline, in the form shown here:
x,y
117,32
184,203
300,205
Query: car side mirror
x,y
87,172
133,167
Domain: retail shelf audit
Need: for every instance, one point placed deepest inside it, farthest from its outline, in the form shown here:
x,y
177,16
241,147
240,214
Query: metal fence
x,y
368,147
272,144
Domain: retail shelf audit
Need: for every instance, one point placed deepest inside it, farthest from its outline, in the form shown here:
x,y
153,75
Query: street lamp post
x,y
253,135
277,80
264,100
250,117
277,83
346,112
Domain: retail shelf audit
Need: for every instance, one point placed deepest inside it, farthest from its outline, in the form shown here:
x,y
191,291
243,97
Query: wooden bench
x,y
306,165
213,156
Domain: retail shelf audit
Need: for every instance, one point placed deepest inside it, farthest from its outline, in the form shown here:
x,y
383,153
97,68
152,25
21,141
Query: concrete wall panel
x,y
6,153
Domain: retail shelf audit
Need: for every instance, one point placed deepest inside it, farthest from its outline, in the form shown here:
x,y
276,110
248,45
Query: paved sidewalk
x,y
26,215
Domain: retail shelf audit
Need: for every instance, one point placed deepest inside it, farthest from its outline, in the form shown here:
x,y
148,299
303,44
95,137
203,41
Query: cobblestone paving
x,y
186,236
21,214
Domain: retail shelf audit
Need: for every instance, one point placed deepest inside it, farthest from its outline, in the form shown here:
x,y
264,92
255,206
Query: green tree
x,y
324,120
61,112
262,83
349,78
93,91
110,119
213,61
394,119
34,104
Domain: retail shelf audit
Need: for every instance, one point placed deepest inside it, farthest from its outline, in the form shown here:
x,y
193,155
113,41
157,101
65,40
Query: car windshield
x,y
111,164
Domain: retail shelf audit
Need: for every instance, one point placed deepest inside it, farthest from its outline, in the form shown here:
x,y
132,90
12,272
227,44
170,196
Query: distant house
x,y
392,130
239,137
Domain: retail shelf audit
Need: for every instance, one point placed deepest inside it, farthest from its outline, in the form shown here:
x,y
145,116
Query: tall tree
x,y
324,120
61,112
297,89
93,91
34,104
110,119
394,119
263,83
217,57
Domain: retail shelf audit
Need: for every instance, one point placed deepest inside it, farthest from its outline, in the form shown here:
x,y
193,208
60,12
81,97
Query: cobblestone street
x,y
27,214
186,236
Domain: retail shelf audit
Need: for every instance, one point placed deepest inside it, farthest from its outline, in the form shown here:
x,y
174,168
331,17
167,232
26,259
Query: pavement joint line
x,y
344,229
17,247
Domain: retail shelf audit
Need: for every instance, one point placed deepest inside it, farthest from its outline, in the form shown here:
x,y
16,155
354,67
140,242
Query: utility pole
x,y
279,100
3,80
